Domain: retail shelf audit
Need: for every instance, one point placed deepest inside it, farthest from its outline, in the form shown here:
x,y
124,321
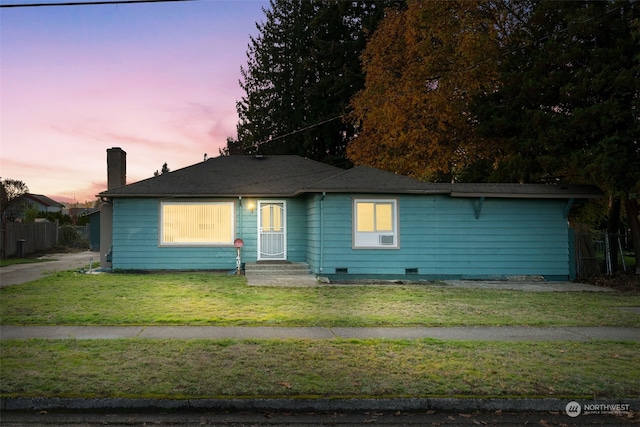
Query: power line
x,y
275,138
88,3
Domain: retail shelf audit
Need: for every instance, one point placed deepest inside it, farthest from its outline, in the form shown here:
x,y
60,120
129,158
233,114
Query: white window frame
x,y
161,223
376,239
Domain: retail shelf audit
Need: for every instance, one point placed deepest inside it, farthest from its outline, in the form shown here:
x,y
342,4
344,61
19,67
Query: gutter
x,y
528,195
320,404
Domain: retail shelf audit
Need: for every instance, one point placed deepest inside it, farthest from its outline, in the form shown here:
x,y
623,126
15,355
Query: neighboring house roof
x,y
90,211
38,199
83,211
286,176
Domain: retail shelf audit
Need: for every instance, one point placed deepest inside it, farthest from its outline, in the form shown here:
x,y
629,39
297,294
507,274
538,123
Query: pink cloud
x,y
161,81
81,194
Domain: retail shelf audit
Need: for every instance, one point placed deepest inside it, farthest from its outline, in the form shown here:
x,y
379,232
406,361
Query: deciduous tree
x,y
10,189
423,66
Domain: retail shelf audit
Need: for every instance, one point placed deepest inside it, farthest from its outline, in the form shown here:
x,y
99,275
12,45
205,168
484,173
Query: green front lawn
x,y
335,368
182,369
71,298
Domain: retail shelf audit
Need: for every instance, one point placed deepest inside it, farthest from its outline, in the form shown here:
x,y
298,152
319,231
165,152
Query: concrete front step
x,y
271,268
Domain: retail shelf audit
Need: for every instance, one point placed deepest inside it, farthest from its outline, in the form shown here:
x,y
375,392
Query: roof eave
x,y
528,195
193,196
372,191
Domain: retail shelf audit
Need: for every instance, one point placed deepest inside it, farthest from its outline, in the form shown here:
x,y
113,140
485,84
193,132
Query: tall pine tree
x,y
568,105
302,69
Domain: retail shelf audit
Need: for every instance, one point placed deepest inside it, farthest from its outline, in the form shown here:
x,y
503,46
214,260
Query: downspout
x,y
321,267
239,227
238,234
106,233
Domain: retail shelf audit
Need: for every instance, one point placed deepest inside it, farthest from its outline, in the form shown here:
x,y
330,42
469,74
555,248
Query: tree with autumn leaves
x,y
423,67
493,91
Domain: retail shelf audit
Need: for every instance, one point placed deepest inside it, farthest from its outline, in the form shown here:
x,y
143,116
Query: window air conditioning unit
x,y
386,239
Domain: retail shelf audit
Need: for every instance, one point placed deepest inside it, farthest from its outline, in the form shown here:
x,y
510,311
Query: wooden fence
x,y
33,237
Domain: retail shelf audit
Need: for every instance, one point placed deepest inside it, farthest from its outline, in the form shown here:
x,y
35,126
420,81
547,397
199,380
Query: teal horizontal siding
x,y
247,229
441,237
438,235
136,245
510,237
314,248
297,240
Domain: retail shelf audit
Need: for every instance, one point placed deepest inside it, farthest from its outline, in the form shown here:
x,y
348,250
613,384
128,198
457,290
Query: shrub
x,y
69,237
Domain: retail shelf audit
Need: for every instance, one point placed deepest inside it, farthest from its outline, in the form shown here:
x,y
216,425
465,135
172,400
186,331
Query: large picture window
x,y
196,223
375,223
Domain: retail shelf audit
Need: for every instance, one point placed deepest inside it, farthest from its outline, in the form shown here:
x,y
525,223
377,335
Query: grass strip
x,y
71,298
5,262
324,368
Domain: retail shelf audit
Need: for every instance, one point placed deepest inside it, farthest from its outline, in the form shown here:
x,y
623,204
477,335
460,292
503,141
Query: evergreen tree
x,y
567,108
302,70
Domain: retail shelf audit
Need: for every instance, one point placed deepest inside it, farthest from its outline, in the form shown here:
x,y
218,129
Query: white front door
x,y
272,238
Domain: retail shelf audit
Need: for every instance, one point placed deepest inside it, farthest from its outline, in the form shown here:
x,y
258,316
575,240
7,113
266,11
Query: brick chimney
x,y
116,168
116,177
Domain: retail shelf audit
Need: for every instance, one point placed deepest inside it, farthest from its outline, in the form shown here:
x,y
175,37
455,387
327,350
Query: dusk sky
x,y
159,80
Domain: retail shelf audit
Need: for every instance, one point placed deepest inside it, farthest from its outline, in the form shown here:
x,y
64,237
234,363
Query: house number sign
x,y
238,243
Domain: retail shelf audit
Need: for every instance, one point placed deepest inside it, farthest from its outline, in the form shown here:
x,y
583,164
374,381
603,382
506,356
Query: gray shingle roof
x,y
286,176
563,191
43,200
233,176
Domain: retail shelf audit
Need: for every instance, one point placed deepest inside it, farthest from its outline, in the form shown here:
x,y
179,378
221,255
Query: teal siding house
x,y
345,224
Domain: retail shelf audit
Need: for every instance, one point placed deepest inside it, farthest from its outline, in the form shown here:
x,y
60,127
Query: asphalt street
x,y
291,419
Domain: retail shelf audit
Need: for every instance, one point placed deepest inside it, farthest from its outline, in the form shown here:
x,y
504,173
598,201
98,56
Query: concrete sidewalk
x,y
474,333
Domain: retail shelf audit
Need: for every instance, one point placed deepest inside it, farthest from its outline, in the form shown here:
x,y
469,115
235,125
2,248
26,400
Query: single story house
x,y
18,207
355,223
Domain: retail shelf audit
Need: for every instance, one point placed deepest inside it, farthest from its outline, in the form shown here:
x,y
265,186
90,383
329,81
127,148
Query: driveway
x,y
22,273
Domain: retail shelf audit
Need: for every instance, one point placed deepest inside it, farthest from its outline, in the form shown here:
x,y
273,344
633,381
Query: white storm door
x,y
272,238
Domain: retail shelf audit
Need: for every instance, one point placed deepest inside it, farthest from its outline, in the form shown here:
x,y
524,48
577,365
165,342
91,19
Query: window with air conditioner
x,y
375,223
